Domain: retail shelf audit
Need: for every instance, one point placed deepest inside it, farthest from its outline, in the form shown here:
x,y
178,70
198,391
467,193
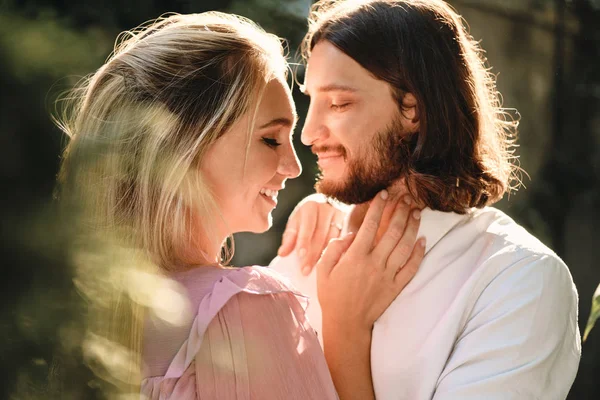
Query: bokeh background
x,y
546,54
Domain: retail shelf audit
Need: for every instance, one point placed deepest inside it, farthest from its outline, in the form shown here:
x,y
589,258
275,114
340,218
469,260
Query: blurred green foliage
x,y
594,314
49,48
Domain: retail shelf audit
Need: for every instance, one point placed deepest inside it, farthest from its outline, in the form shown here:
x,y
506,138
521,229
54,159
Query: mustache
x,y
328,149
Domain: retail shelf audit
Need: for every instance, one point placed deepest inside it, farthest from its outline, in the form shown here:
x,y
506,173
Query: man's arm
x,y
521,340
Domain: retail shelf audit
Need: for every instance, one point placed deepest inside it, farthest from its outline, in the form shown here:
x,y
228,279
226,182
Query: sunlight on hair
x,y
109,360
163,297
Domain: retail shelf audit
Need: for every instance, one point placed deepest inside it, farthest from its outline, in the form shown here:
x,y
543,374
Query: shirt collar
x,y
436,224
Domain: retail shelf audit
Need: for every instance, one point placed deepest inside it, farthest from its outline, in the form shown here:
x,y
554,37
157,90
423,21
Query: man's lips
x,y
324,156
328,159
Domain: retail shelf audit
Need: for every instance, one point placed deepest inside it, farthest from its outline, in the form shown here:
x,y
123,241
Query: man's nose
x,y
314,127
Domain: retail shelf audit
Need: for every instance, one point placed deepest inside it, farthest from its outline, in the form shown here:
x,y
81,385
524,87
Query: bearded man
x,y
400,99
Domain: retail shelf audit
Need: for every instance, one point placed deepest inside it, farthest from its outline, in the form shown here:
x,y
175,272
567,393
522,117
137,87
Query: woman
x,y
180,140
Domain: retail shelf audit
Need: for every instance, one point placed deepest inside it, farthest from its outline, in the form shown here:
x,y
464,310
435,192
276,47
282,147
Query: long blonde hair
x,y
138,130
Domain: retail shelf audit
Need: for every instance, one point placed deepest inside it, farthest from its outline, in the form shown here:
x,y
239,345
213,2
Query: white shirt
x,y
491,314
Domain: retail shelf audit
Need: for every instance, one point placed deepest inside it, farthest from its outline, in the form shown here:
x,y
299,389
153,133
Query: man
x,y
401,99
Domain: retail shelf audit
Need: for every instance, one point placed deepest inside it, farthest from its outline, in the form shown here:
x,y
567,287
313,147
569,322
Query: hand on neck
x,y
396,191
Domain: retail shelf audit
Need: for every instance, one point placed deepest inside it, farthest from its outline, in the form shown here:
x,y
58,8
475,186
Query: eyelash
x,y
340,107
271,142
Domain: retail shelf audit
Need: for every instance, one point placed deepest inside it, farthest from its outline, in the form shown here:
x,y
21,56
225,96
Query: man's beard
x,y
386,161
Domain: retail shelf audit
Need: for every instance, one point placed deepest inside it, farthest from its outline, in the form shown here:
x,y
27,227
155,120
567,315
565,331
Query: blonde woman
x,y
180,140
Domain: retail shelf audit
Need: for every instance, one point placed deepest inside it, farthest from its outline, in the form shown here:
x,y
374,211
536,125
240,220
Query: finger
x,y
335,229
307,223
405,246
409,270
368,230
394,230
288,241
332,254
318,240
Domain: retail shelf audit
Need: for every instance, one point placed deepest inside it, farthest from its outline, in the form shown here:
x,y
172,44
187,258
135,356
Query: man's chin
x,y
347,193
335,190
328,187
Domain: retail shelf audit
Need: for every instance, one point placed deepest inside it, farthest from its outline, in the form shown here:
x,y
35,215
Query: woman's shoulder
x,y
225,284
261,280
251,279
210,288
255,280
249,320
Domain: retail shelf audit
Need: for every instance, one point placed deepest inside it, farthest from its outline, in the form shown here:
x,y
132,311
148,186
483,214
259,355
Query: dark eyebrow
x,y
331,88
285,122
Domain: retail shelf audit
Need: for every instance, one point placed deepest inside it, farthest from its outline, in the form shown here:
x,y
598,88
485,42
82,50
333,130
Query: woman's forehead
x,y
276,104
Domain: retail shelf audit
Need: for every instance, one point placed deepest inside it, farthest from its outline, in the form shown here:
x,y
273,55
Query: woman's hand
x,y
360,275
312,224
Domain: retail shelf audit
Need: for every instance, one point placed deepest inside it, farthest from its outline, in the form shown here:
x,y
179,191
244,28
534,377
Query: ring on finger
x,y
336,225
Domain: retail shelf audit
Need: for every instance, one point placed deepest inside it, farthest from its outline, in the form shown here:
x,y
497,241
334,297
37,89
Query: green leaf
x,y
594,313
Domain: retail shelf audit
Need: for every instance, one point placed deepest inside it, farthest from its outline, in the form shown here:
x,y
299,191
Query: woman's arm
x,y
358,277
348,355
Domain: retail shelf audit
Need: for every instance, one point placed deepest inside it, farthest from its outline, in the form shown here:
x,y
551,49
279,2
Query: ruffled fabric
x,y
250,337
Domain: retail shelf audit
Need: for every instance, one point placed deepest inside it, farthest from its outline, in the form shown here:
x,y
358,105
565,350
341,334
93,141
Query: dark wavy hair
x,y
462,155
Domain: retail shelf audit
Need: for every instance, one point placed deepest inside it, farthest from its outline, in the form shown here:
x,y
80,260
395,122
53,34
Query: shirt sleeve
x,y
521,340
260,346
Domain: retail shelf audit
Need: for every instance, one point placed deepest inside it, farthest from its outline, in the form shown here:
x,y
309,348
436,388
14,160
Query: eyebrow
x,y
285,122
334,87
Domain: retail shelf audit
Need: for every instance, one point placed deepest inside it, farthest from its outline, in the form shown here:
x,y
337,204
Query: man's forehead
x,y
331,87
329,69
329,80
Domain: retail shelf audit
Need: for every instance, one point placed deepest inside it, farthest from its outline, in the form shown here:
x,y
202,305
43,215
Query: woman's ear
x,y
410,113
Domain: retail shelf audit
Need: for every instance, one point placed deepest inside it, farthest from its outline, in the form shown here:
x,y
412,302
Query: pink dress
x,y
247,338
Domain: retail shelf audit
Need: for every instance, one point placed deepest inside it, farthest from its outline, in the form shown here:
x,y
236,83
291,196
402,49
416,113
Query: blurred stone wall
x,y
547,57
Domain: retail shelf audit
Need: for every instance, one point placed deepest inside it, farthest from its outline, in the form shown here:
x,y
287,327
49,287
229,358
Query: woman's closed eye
x,y
271,142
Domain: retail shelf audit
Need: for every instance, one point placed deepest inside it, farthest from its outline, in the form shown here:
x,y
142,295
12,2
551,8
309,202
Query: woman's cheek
x,y
259,163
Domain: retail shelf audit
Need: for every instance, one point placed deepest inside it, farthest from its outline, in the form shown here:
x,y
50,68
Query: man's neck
x,y
396,191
